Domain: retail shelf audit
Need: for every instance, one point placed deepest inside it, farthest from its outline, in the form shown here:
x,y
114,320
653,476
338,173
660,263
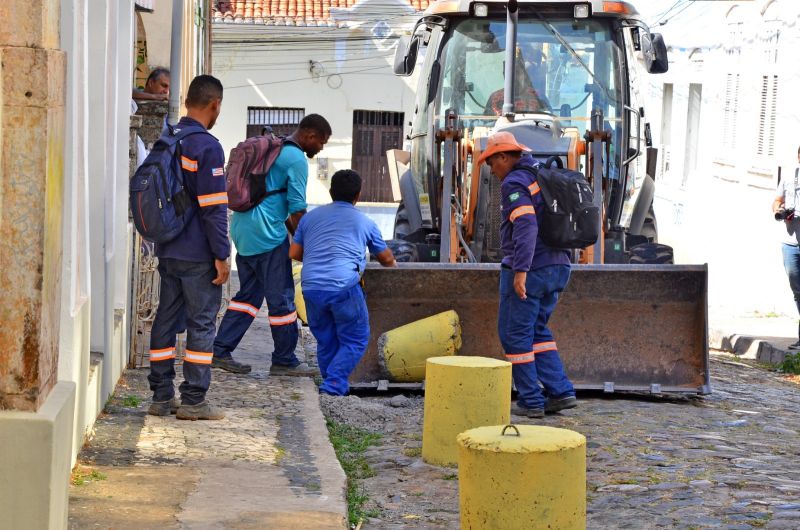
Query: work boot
x,y
163,408
299,370
229,364
201,411
796,345
518,410
554,405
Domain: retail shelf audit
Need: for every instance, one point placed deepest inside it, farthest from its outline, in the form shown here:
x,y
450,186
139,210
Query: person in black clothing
x,y
193,267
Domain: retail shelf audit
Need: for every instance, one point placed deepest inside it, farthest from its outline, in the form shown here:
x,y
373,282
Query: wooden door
x,y
374,133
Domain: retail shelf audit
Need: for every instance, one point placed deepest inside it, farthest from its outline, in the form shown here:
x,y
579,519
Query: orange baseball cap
x,y
501,142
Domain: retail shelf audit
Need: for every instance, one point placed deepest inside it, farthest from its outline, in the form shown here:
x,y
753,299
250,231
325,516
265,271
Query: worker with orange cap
x,y
531,278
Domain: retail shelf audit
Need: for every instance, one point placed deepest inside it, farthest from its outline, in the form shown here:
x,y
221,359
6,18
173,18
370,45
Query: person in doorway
x,y
261,236
783,207
331,242
156,88
193,267
532,276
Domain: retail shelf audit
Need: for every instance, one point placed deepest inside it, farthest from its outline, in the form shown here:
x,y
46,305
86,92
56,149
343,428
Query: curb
x,y
772,350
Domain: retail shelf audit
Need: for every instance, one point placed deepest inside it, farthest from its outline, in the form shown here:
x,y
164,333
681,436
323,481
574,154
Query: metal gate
x,y
374,133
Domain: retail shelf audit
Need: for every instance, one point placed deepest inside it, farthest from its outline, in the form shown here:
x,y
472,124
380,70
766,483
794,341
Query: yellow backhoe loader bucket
x,y
640,328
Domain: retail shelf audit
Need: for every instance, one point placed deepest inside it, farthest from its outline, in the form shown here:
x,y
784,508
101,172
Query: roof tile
x,y
285,12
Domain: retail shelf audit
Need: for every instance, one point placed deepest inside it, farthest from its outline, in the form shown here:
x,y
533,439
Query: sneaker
x,y
163,408
795,346
201,411
299,370
517,410
229,364
566,402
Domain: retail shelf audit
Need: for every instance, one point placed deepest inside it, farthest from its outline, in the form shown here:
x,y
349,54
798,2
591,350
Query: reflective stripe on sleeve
x,y
212,199
284,319
522,210
162,354
521,358
534,188
198,357
244,308
188,164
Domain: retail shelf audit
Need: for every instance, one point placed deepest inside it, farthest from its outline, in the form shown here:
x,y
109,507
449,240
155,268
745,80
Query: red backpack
x,y
248,165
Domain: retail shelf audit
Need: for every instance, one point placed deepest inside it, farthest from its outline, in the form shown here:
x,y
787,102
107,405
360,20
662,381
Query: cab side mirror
x,y
405,57
656,58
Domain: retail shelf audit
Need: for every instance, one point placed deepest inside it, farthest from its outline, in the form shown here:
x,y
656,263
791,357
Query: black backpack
x,y
570,219
161,206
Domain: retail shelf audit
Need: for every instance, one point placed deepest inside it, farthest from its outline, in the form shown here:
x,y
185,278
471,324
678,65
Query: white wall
x,y
257,76
73,359
722,215
158,29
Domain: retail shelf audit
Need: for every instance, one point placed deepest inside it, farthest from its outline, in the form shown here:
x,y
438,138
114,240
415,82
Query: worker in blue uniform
x,y
261,236
532,276
193,267
331,241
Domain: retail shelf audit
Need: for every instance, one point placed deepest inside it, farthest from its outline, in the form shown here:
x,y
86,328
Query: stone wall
x,y
32,78
153,114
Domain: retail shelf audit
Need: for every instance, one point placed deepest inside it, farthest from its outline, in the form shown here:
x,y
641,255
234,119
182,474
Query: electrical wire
x,y
306,78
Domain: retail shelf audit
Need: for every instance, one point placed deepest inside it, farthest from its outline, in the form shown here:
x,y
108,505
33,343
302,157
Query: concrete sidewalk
x,y
268,465
755,336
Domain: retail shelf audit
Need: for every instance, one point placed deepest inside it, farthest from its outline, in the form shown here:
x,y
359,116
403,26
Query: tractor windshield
x,y
563,67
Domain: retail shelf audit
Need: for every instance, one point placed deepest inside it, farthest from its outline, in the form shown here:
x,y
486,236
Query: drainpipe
x,y
175,63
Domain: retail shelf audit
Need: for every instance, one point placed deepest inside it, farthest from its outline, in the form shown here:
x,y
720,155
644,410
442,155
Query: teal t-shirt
x,y
262,229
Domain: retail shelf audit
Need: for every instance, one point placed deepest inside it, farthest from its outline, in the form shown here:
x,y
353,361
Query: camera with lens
x,y
784,214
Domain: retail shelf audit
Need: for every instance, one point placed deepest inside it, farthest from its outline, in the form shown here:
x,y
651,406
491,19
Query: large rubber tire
x,y
404,252
401,225
651,254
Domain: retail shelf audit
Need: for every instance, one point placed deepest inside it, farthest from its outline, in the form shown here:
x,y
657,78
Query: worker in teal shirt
x,y
331,241
261,236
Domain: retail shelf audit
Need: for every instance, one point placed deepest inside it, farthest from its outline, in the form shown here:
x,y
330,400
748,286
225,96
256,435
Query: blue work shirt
x,y
205,236
262,228
334,238
521,203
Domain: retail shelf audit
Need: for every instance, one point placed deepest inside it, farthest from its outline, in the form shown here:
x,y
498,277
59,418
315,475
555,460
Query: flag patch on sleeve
x,y
217,172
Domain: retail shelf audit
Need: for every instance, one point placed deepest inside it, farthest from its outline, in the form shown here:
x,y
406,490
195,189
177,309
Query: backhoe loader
x,y
565,77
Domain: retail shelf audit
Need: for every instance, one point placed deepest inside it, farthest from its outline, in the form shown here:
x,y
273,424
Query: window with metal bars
x,y
282,120
731,112
767,115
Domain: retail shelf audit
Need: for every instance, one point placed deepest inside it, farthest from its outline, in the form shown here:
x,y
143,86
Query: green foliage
x,y
131,401
350,443
790,364
81,476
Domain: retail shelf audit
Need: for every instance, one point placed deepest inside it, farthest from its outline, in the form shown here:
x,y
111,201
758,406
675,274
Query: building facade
x,y
726,125
68,70
279,61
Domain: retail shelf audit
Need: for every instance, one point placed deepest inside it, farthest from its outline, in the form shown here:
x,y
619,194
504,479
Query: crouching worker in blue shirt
x,y
331,241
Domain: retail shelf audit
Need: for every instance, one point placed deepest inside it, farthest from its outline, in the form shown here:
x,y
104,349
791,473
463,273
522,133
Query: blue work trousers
x,y
262,276
340,323
791,262
526,339
187,298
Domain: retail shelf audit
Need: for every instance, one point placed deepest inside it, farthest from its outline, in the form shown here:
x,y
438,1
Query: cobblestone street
x,y
727,460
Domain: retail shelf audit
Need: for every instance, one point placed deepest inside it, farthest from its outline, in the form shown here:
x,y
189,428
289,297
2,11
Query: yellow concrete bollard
x,y
299,302
522,477
462,393
403,351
